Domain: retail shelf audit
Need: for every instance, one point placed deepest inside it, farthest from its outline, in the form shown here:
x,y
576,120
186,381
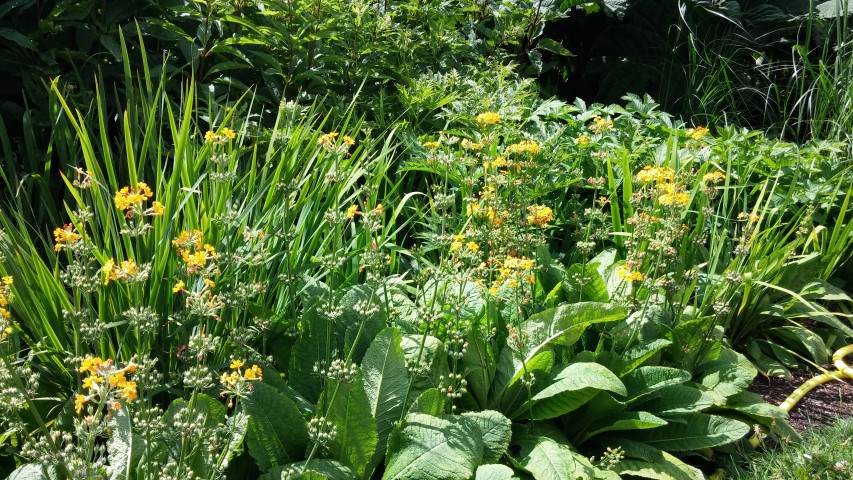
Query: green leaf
x,y
428,447
212,413
350,412
553,47
510,391
479,366
624,421
674,400
664,467
123,446
496,430
430,402
592,287
564,324
432,357
573,386
547,459
493,472
639,354
310,348
386,383
646,380
695,432
17,38
771,416
729,375
30,471
277,433
321,469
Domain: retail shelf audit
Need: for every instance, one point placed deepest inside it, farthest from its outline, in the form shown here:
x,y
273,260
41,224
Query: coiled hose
x,y
843,371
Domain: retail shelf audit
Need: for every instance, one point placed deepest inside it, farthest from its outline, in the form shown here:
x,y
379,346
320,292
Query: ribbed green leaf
x,y
277,432
677,399
497,432
430,402
645,380
355,442
547,459
573,386
479,364
624,421
427,447
123,446
729,375
386,383
493,472
323,469
696,431
310,348
565,323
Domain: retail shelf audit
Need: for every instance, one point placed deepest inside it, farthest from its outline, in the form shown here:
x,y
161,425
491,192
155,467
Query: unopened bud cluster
x,y
337,370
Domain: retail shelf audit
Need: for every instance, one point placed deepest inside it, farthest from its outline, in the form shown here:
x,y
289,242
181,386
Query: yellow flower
x,y
109,271
524,146
327,139
651,174
473,247
348,140
7,280
378,209
430,145
625,273
254,373
352,211
673,195
65,236
127,197
92,381
540,215
179,287
713,177
211,137
582,140
488,118
229,134
210,283
157,209
91,365
79,401
236,364
697,133
128,391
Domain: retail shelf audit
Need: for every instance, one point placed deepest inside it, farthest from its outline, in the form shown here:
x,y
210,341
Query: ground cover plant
x,y
481,284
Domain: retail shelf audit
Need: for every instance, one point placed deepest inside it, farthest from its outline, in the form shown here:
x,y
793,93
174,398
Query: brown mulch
x,y
819,407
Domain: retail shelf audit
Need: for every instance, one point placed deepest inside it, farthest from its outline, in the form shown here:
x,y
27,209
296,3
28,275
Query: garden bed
x,y
822,406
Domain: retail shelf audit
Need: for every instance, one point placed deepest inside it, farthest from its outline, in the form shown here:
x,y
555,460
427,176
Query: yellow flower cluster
x,y
600,125
651,174
194,254
431,145
459,242
627,274
488,118
128,198
497,218
524,146
469,145
223,136
237,373
512,269
697,133
352,211
540,215
582,140
713,177
6,297
673,195
99,370
125,271
65,236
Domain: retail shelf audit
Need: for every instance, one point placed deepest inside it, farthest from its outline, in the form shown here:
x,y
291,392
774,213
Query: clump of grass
x,y
824,454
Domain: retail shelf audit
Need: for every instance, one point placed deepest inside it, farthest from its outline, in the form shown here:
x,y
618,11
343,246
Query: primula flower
x,y
625,273
65,236
7,280
540,215
79,402
582,140
697,133
352,211
713,177
673,195
430,145
651,174
127,197
179,287
488,118
348,140
157,209
524,146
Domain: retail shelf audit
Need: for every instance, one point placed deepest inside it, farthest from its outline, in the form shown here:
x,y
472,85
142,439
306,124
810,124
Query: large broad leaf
x,y
323,469
32,471
211,413
646,380
277,432
584,284
547,459
354,444
731,374
510,391
696,431
564,324
355,332
310,348
386,383
430,402
649,462
771,416
675,400
479,366
123,447
497,432
427,447
429,354
624,421
573,386
638,354
493,472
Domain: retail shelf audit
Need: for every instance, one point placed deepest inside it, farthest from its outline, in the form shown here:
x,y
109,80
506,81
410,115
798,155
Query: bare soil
x,y
819,407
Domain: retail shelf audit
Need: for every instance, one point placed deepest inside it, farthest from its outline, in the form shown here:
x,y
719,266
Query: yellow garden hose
x,y
843,371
